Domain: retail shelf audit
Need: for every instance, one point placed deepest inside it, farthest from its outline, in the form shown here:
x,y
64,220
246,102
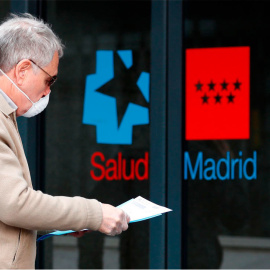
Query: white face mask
x,y
37,107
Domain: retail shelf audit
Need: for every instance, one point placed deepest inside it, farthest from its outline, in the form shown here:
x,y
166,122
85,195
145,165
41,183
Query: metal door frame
x,y
166,132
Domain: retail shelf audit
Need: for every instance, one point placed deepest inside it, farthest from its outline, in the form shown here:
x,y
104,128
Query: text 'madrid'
x,y
226,168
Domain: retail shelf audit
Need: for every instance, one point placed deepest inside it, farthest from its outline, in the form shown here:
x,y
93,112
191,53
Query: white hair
x,y
26,37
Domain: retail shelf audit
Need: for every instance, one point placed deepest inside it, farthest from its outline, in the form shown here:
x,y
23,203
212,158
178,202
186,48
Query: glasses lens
x,y
52,81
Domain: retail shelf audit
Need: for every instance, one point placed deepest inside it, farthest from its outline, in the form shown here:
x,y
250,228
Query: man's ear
x,y
21,70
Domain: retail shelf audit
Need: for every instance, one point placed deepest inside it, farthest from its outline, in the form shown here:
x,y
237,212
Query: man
x,y
29,57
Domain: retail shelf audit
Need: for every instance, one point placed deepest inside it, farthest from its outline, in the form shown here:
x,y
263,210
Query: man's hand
x,y
114,220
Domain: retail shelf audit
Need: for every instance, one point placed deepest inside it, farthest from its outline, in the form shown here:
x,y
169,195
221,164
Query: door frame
x,y
166,132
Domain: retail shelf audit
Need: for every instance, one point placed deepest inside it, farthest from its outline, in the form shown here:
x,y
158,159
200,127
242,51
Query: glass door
x,y
226,156
97,124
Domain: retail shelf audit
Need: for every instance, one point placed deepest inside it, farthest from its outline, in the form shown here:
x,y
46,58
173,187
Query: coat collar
x,y
5,105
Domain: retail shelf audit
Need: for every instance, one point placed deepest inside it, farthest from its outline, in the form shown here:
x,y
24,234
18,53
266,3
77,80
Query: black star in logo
x,y
205,98
224,85
218,98
199,86
211,86
123,86
230,98
237,85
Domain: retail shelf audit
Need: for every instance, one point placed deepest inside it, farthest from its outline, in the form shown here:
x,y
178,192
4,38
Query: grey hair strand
x,y
26,37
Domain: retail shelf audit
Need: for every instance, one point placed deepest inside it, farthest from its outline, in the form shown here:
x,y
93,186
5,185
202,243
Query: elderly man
x,y
29,57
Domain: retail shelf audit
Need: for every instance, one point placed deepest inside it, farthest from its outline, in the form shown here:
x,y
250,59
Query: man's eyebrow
x,y
54,75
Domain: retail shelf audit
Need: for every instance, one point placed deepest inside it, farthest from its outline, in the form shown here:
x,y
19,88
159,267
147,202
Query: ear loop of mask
x,y
16,85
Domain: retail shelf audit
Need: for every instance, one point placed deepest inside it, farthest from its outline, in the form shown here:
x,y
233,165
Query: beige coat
x,y
23,210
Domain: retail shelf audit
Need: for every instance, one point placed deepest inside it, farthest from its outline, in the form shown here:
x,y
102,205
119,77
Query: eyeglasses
x,y
53,78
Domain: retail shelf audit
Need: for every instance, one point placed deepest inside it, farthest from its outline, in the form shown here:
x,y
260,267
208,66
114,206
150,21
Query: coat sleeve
x,y
23,207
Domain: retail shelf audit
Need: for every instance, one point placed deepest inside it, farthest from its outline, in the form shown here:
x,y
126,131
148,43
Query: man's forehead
x,y
53,65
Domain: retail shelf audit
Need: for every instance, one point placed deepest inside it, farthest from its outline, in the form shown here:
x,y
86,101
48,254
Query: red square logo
x,y
218,93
